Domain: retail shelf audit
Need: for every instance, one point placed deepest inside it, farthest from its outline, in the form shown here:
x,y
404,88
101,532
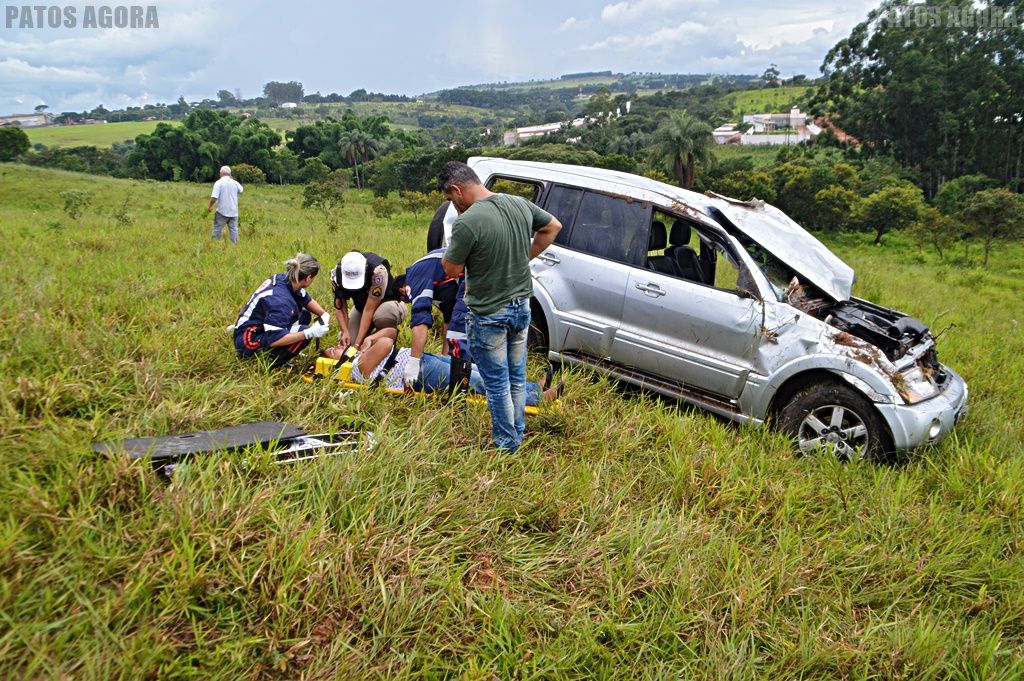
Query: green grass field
x,y
97,135
766,100
628,539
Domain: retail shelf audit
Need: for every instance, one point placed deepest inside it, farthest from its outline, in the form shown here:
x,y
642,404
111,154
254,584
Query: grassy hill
x,y
628,538
767,100
97,135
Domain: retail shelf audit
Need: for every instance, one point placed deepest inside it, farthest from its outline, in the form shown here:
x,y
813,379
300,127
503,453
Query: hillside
x,y
96,135
628,534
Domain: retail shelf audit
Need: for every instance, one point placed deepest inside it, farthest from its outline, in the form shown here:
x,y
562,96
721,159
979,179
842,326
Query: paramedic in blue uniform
x,y
276,322
429,285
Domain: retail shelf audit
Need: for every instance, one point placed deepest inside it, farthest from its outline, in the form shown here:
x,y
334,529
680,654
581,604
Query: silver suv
x,y
727,305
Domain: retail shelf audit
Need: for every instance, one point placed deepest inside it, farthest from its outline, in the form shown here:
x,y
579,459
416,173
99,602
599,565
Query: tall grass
x,y
629,538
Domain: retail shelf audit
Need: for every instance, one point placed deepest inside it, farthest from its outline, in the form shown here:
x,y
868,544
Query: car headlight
x,y
916,384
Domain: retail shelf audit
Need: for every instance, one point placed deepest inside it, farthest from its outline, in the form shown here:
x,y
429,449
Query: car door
x,y
584,273
702,335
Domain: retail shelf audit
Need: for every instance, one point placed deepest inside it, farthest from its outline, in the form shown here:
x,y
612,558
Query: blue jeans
x,y
435,372
498,344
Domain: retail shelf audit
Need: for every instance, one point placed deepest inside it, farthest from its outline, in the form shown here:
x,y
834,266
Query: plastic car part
x,y
286,442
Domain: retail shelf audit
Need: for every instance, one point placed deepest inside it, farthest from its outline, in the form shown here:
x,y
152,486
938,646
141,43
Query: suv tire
x,y
836,418
537,335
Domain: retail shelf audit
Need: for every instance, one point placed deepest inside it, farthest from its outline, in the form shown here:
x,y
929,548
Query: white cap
x,y
353,271
225,170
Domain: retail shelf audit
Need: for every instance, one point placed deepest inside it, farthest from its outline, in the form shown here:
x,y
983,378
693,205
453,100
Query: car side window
x,y
563,202
611,227
516,187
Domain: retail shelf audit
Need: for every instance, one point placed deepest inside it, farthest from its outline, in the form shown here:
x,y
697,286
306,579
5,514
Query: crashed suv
x,y
727,305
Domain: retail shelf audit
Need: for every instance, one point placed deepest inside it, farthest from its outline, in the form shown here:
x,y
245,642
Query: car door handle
x,y
652,289
548,259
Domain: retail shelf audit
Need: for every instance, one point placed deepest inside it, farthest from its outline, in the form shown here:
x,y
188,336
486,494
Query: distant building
x,y
289,105
727,134
32,120
519,134
779,128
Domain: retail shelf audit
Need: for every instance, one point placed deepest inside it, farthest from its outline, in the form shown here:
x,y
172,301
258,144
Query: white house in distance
x,y
727,134
778,128
32,120
289,105
519,134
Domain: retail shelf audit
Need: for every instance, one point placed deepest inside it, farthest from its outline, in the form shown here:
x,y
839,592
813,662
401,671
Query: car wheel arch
x,y
539,335
796,385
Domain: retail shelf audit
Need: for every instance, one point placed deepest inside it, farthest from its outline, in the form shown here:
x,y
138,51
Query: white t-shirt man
x,y
226,191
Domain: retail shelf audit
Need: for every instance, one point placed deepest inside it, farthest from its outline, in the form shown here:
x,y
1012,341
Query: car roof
x,y
764,224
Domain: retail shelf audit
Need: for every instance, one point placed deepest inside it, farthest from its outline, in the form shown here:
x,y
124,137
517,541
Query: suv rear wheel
x,y
835,418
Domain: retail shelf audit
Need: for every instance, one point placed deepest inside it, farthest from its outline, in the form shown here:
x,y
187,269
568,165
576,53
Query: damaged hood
x,y
778,234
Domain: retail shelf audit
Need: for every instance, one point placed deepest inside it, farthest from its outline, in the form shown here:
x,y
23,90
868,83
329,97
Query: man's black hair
x,y
455,172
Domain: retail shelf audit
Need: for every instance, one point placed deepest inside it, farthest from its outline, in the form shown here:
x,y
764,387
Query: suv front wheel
x,y
835,418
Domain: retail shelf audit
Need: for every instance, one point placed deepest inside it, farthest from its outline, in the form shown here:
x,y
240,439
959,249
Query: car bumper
x,y
927,422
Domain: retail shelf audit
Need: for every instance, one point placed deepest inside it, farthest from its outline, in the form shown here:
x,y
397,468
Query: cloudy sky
x,y
201,47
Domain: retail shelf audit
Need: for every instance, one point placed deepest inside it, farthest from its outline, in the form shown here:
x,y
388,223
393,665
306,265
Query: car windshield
x,y
778,273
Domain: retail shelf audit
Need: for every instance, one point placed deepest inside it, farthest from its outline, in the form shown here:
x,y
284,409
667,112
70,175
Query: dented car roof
x,y
762,223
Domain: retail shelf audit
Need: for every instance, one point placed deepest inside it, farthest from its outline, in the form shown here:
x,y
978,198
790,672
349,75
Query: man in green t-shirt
x,y
493,240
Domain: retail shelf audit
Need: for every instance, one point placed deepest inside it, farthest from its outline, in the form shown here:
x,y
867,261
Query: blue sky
x,y
201,47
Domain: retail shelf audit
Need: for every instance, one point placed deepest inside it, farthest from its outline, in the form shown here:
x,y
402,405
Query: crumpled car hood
x,y
778,234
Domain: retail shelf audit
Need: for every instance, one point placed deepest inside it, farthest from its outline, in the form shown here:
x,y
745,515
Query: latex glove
x,y
325,318
412,372
315,331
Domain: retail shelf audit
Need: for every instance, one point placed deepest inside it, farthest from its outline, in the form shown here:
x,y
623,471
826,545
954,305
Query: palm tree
x,y
357,146
681,142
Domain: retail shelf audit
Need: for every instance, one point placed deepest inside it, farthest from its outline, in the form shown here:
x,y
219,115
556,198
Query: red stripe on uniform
x,y
247,339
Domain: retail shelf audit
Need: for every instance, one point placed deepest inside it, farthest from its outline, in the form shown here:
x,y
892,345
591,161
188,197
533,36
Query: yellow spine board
x,y
325,368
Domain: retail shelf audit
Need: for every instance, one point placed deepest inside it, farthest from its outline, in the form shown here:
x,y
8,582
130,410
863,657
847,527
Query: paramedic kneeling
x,y
276,320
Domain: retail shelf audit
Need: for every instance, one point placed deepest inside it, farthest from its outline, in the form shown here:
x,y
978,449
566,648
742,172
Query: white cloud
x,y
571,22
668,36
631,10
16,71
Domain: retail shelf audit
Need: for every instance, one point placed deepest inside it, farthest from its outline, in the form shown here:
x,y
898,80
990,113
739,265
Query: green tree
x,y
248,174
994,215
314,169
13,143
746,184
280,93
936,229
325,196
357,146
834,206
226,98
771,76
680,143
892,208
951,195
942,96
284,168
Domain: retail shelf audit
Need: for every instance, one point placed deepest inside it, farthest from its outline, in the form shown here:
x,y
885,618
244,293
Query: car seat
x,y
659,240
684,259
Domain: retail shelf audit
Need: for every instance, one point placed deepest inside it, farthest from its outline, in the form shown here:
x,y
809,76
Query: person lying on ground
x,y
378,351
